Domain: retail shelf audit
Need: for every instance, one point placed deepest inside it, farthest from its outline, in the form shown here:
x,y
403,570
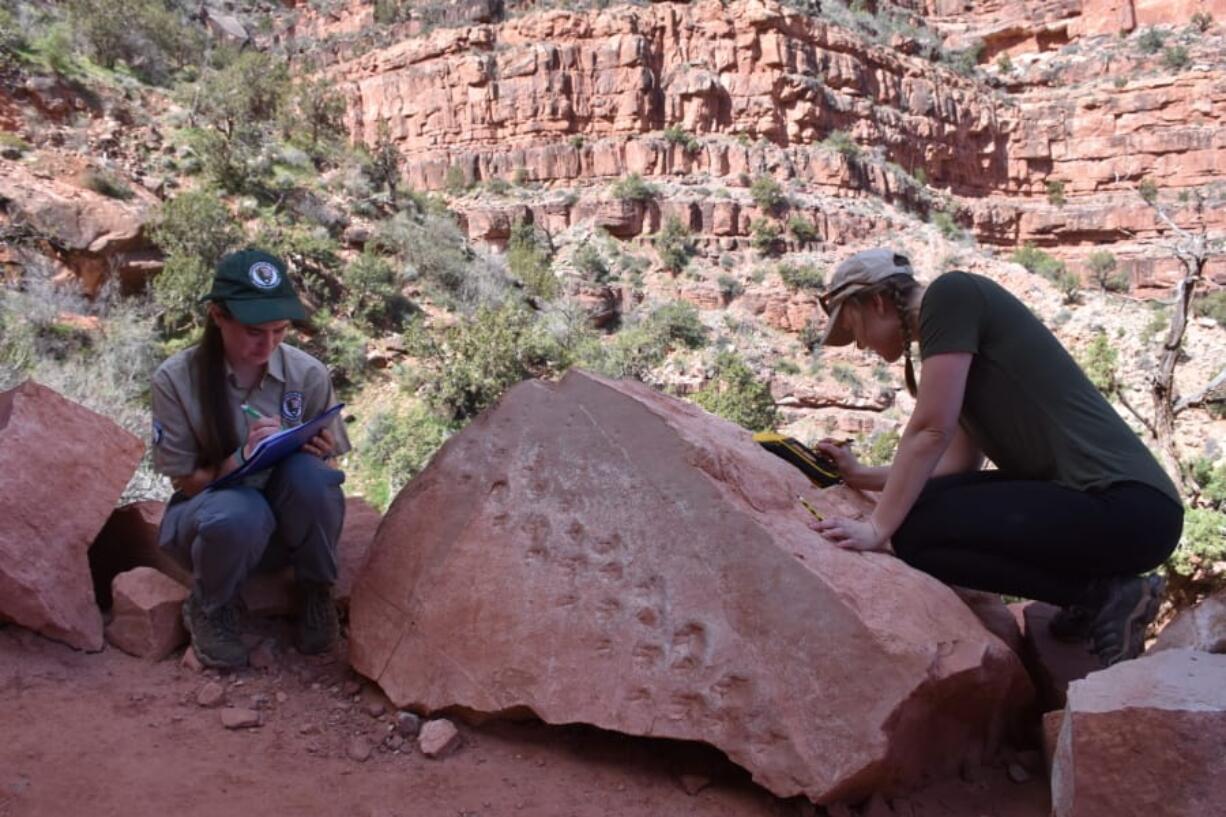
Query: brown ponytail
x,y
220,439
901,293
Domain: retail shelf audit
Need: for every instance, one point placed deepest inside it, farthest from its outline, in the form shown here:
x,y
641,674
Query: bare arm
x,y
928,436
961,456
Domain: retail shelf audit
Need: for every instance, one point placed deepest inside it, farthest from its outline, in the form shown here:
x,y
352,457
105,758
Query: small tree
x,y
675,245
766,237
528,259
1102,269
194,230
384,165
735,394
767,193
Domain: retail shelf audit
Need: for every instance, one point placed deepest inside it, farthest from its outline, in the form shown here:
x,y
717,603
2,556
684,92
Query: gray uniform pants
x,y
223,536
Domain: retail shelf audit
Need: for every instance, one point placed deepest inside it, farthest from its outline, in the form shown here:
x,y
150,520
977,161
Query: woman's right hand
x,y
840,452
257,431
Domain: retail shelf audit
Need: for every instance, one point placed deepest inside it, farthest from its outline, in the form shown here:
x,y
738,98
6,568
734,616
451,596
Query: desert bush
x,y
151,37
107,184
194,230
1148,190
767,193
766,237
676,135
679,321
633,188
468,365
675,244
528,259
1176,57
396,445
801,276
881,448
802,229
372,294
842,143
430,247
1055,192
1102,264
1211,305
1151,41
947,225
1100,362
590,263
735,394
729,287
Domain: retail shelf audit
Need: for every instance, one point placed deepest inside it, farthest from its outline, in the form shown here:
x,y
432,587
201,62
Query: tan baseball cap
x,y
856,274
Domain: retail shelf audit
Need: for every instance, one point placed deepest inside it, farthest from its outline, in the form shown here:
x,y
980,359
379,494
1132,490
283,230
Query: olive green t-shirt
x,y
1028,405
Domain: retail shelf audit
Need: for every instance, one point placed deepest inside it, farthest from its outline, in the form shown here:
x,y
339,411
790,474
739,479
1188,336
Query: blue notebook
x,y
272,450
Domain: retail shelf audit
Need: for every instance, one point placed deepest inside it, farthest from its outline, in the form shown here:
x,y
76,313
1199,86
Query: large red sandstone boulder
x,y
1143,738
1202,627
64,467
147,620
595,552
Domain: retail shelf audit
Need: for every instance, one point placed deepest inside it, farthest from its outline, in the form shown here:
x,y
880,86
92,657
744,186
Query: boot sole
x,y
1145,611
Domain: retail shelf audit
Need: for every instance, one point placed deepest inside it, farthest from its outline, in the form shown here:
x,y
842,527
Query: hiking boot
x,y
1131,603
1072,624
215,635
318,627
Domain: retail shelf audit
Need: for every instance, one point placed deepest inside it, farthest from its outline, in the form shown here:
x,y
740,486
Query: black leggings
x,y
987,531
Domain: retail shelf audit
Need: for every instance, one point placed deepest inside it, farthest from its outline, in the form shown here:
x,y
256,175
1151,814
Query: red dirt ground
x,y
108,734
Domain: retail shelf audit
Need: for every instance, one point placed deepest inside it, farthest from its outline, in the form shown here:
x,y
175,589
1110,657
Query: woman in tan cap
x,y
1077,507
212,405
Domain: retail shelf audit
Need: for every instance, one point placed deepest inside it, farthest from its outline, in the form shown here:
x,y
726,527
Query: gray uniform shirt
x,y
295,387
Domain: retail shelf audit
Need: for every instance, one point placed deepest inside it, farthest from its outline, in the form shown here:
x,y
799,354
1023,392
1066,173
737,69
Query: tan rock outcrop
x,y
1144,737
64,469
147,618
596,552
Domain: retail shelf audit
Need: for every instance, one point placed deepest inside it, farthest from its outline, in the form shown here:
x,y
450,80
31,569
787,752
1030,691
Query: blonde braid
x,y
899,296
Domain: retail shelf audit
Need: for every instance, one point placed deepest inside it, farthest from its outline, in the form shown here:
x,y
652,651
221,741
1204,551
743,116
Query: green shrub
x,y
372,294
498,186
787,366
12,38
1055,193
676,135
396,446
1102,264
674,244
1004,64
528,259
1101,363
767,193
591,264
150,36
1151,41
802,276
1211,480
802,229
846,375
107,184
1203,541
1211,305
966,60
315,116
679,321
842,143
766,237
341,343
1176,58
1201,22
633,188
194,230
729,287
455,181
468,365
946,225
429,246
735,394
1148,190
881,448
1044,265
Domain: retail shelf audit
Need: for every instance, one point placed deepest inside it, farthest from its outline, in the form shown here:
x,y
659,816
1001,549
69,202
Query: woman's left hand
x,y
852,534
321,445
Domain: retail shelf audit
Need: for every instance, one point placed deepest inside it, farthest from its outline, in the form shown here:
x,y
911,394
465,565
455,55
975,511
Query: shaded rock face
x,y
1144,737
64,467
595,552
128,540
1202,627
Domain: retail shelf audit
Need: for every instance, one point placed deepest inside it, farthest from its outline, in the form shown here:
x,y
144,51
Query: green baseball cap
x,y
254,288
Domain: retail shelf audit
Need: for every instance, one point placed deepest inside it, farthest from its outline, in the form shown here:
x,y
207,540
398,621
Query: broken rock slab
x,y
147,618
1144,737
1202,627
595,552
64,469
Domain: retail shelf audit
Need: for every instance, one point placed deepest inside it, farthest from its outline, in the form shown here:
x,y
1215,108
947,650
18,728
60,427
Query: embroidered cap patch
x,y
264,275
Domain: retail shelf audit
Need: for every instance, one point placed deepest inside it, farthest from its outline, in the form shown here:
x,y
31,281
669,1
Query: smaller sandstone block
x,y
147,620
1144,737
1202,627
211,694
438,737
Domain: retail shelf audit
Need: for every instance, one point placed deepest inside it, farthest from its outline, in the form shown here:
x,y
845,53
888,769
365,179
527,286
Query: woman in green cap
x,y
212,405
1077,508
